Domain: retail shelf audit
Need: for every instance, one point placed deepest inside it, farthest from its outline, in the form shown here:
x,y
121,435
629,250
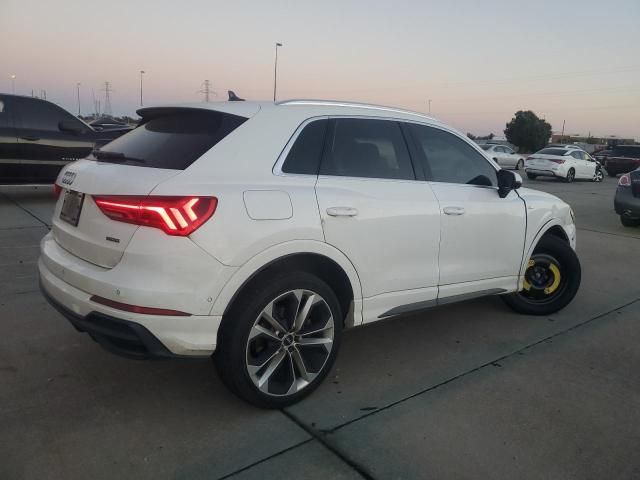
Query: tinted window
x,y
552,151
452,160
500,150
4,115
485,147
304,156
174,139
577,155
367,148
40,115
630,151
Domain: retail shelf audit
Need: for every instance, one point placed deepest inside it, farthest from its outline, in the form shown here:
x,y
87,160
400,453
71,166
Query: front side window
x,y
304,156
367,148
40,115
450,159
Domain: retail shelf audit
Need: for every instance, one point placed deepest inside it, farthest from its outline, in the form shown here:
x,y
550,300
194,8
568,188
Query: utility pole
x,y
78,91
107,98
141,74
429,101
275,73
13,83
207,90
562,131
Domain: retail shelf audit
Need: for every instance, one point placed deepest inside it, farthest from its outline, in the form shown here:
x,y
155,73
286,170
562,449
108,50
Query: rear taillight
x,y
175,215
625,180
57,189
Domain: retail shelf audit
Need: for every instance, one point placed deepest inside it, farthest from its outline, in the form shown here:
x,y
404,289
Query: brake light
x,y
556,160
137,309
179,216
57,189
625,180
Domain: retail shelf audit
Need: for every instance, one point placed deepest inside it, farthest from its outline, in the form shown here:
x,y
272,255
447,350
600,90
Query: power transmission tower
x,y
207,90
107,98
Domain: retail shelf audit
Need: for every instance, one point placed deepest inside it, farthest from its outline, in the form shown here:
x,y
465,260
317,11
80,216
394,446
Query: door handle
x,y
342,211
30,138
453,210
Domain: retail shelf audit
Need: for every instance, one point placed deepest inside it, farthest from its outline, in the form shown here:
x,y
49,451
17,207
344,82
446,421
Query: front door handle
x,y
453,210
30,138
342,211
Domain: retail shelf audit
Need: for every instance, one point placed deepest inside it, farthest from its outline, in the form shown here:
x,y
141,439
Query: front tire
x,y
629,222
598,176
279,340
552,279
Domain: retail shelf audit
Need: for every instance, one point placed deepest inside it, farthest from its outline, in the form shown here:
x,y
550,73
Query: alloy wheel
x,y
570,176
290,342
598,176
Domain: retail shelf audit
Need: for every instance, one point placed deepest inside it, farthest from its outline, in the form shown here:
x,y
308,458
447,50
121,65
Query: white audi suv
x,y
260,231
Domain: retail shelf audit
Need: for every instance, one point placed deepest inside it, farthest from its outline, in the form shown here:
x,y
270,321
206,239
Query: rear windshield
x,y
553,151
172,140
485,147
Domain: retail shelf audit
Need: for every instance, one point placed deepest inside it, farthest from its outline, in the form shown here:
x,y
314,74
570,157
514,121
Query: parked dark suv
x,y
37,138
622,159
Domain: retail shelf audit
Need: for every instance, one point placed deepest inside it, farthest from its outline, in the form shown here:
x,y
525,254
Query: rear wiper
x,y
107,155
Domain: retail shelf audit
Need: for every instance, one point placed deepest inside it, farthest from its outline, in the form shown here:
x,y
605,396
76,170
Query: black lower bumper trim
x,y
122,337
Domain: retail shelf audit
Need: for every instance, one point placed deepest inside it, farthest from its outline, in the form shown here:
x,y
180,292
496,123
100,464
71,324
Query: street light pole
x,y
275,73
141,74
429,106
13,84
78,91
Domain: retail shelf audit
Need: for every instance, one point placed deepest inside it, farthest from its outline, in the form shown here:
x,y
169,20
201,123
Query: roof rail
x,y
338,103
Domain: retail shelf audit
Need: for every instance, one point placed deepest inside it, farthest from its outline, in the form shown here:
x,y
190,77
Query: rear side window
x,y
367,148
172,140
304,156
450,159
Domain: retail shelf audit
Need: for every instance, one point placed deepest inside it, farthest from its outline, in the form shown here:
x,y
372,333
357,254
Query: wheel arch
x,y
319,258
551,227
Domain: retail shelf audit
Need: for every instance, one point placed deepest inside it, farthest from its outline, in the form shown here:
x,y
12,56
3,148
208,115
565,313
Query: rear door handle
x,y
453,210
342,211
30,138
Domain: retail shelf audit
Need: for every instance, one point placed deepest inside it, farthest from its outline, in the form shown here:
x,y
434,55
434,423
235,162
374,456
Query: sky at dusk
x,y
478,62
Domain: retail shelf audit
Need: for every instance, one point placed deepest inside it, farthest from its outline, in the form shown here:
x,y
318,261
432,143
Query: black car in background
x,y
627,199
37,138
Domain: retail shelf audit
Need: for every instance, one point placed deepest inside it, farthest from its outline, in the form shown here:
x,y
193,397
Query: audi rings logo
x,y
68,178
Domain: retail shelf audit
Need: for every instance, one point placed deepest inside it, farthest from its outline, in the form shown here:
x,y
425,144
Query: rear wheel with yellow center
x,y
551,279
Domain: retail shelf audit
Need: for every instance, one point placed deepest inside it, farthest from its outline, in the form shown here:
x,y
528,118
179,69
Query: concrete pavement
x,y
462,391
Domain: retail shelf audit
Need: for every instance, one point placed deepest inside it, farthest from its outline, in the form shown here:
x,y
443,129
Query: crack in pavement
x,y
28,212
623,235
321,436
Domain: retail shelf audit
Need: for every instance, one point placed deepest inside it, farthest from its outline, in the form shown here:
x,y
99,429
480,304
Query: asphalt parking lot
x,y
462,391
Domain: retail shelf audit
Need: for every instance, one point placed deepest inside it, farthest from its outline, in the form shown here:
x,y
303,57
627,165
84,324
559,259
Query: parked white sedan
x,y
504,156
567,163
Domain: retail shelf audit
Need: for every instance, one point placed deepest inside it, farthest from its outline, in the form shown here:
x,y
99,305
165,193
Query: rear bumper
x,y
625,203
130,334
541,172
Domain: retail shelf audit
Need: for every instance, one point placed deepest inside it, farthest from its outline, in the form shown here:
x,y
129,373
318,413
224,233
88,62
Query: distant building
x,y
591,139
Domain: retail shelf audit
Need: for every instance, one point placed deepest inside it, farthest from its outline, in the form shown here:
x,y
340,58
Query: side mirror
x,y
70,127
507,181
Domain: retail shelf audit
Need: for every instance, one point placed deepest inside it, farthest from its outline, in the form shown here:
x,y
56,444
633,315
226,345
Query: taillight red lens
x,y
175,215
625,180
556,160
57,189
137,309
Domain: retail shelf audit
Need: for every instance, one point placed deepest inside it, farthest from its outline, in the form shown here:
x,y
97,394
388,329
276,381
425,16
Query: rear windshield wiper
x,y
115,156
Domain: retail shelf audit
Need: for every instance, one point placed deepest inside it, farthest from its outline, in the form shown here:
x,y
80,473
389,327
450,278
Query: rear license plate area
x,y
71,207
